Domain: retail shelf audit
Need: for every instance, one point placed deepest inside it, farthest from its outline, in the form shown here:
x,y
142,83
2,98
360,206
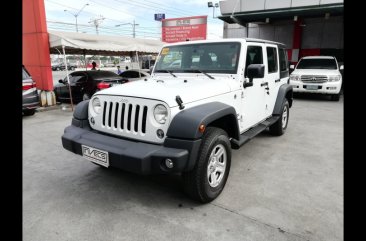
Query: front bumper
x,y
133,156
322,88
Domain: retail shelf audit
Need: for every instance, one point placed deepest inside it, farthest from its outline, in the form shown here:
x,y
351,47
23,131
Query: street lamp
x,y
76,15
133,27
213,6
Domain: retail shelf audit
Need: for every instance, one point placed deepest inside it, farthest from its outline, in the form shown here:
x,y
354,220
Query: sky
x,y
126,11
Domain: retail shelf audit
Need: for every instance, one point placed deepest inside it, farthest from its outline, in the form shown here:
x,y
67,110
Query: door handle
x,y
264,84
277,80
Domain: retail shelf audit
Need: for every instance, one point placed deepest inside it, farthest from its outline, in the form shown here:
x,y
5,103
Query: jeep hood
x,y
166,89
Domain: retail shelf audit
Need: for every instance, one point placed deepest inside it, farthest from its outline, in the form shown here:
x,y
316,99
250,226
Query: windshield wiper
x,y
199,71
165,71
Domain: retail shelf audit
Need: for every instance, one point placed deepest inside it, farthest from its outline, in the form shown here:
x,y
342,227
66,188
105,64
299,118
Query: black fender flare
x,y
186,123
285,92
81,110
80,116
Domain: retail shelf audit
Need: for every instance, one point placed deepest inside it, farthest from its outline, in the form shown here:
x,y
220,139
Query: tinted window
x,y
317,64
210,57
77,78
131,74
283,60
102,74
272,60
254,56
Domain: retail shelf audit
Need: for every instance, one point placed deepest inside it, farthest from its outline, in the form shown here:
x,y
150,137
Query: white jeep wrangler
x,y
186,117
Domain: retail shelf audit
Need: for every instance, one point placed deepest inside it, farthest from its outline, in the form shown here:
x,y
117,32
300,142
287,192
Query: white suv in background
x,y
317,74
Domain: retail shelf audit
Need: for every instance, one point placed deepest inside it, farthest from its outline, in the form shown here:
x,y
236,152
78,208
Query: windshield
x,y
317,64
208,57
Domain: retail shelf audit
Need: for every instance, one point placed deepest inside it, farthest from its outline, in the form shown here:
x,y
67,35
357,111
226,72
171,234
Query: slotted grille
x,y
121,116
314,78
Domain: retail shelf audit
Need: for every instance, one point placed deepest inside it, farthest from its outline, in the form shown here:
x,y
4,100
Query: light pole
x,y
211,5
133,27
76,15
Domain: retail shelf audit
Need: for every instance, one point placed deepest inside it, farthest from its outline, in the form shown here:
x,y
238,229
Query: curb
x,y
63,107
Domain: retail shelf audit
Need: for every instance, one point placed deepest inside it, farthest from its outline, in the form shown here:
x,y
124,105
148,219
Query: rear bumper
x,y
30,101
137,157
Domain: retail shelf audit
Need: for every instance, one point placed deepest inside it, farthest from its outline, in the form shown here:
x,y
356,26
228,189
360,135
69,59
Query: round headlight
x,y
97,107
160,114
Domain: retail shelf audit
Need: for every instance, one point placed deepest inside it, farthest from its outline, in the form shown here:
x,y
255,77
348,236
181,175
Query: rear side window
x,y
130,74
77,78
25,74
272,60
283,60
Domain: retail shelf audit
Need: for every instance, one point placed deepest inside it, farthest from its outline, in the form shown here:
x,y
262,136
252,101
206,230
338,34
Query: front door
x,y
254,97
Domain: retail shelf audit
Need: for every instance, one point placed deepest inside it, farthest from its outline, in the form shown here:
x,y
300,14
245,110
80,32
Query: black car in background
x,y
61,66
30,95
85,83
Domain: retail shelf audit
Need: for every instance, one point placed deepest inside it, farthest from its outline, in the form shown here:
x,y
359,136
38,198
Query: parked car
x,y
61,66
134,74
30,95
317,74
84,84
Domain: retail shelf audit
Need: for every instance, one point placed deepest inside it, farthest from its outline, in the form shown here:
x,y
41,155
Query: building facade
x,y
307,27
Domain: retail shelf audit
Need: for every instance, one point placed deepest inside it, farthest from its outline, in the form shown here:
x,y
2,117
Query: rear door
x,y
272,79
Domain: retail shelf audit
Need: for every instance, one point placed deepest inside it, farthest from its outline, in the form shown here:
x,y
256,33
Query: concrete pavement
x,y
279,188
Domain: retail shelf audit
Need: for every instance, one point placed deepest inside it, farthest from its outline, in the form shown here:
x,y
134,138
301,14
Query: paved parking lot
x,y
279,188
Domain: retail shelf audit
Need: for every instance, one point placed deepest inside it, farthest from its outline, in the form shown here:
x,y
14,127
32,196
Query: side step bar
x,y
252,132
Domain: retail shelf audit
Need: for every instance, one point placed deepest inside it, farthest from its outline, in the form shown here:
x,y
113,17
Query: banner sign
x,y
159,16
184,29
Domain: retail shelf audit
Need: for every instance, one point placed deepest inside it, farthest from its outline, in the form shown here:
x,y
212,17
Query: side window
x,y
272,60
130,74
254,56
283,60
77,78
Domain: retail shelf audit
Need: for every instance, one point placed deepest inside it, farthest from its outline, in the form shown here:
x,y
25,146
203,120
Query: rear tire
x,y
29,112
208,178
280,126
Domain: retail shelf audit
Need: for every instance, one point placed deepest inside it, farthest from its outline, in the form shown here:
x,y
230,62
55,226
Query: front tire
x,y
335,97
280,126
208,178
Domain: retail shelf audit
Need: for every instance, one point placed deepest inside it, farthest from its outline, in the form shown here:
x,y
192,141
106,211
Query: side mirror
x,y
60,81
255,71
341,67
292,66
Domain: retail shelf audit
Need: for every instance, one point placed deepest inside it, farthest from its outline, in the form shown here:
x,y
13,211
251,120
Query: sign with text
x,y
184,29
159,16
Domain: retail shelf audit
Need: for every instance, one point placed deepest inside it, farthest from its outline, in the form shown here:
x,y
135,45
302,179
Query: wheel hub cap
x,y
217,165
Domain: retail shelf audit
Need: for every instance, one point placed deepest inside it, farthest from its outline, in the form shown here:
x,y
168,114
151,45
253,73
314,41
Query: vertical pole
x,y
133,28
67,76
76,20
138,63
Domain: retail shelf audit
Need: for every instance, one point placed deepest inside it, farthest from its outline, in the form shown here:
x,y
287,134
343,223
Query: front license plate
x,y
95,155
311,87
